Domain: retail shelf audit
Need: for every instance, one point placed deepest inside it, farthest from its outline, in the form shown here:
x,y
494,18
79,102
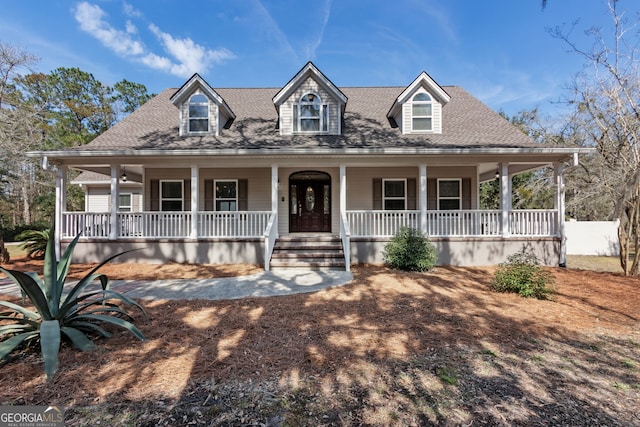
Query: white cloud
x,y
130,11
312,47
191,57
273,31
184,56
304,50
131,28
91,20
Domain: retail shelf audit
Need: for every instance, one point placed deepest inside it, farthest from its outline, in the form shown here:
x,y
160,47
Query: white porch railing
x,y
165,224
270,236
381,223
464,223
534,222
87,223
458,223
345,234
233,224
153,224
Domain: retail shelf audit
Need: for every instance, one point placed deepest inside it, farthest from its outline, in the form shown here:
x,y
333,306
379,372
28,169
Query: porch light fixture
x,y
123,177
497,174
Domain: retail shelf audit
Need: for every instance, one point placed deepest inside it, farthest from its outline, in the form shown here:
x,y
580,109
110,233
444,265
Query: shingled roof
x,y
467,123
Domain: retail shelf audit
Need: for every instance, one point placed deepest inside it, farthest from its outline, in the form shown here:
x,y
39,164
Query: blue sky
x,y
498,50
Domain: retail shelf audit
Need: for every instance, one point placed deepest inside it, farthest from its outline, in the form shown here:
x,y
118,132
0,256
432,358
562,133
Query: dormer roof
x,y
192,85
425,81
309,70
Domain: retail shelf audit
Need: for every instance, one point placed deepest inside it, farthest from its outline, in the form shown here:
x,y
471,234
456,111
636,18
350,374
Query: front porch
x,y
461,236
363,204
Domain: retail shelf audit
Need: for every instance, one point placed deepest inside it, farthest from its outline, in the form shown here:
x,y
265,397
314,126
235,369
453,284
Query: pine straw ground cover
x,y
390,348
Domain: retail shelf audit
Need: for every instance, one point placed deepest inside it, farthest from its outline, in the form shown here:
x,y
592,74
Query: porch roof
x,y
468,126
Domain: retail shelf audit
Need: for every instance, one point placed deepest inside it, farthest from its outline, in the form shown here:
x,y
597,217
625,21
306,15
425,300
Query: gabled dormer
x,y
310,104
202,109
418,109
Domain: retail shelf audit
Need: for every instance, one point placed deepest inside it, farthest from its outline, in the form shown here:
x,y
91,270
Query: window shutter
x,y
208,195
411,194
432,194
243,195
466,193
155,195
377,193
186,196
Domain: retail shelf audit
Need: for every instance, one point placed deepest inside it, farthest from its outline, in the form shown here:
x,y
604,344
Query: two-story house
x,y
325,175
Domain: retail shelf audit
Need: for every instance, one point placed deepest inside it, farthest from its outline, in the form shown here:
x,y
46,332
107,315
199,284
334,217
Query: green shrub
x,y
79,315
34,242
523,274
9,233
409,250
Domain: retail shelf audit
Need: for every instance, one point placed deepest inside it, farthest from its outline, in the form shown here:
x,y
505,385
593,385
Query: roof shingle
x,y
467,123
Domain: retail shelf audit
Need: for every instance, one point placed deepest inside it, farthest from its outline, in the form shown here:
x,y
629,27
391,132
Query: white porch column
x,y
560,209
61,206
423,198
195,193
343,189
115,195
274,188
505,198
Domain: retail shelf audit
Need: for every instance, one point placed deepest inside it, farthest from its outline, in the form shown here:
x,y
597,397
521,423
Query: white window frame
x,y
459,198
171,199
207,117
129,206
323,119
415,116
215,194
385,198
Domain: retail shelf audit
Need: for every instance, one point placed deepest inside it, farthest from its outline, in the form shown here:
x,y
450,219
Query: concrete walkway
x,y
265,284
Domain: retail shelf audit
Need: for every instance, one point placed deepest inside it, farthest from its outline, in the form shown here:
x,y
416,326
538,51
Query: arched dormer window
x,y
422,113
198,114
310,114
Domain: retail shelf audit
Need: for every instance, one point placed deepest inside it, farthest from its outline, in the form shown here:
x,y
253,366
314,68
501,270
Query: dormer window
x,y
310,114
198,114
422,113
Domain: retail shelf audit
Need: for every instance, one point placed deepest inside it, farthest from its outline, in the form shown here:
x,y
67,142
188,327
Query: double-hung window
x,y
198,114
449,194
226,195
394,194
124,202
171,195
422,113
310,115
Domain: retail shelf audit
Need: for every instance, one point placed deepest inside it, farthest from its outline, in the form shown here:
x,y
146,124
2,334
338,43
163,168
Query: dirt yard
x,y
390,348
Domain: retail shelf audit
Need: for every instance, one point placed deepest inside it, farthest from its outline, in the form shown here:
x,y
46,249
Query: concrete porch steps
x,y
308,251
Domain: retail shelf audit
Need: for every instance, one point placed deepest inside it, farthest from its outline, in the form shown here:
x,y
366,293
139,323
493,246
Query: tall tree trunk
x,y
635,224
628,236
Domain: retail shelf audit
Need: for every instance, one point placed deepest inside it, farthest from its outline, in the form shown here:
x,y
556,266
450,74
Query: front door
x,y
310,202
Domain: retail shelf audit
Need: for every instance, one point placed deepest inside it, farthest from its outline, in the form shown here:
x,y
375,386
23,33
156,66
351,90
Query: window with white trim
x,y
171,195
198,114
124,202
310,115
449,194
394,194
421,113
226,195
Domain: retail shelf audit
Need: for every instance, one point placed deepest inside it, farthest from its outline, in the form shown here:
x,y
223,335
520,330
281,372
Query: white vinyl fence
x,y
592,238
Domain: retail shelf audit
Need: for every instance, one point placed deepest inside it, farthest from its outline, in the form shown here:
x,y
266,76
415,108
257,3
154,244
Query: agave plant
x,y
79,315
